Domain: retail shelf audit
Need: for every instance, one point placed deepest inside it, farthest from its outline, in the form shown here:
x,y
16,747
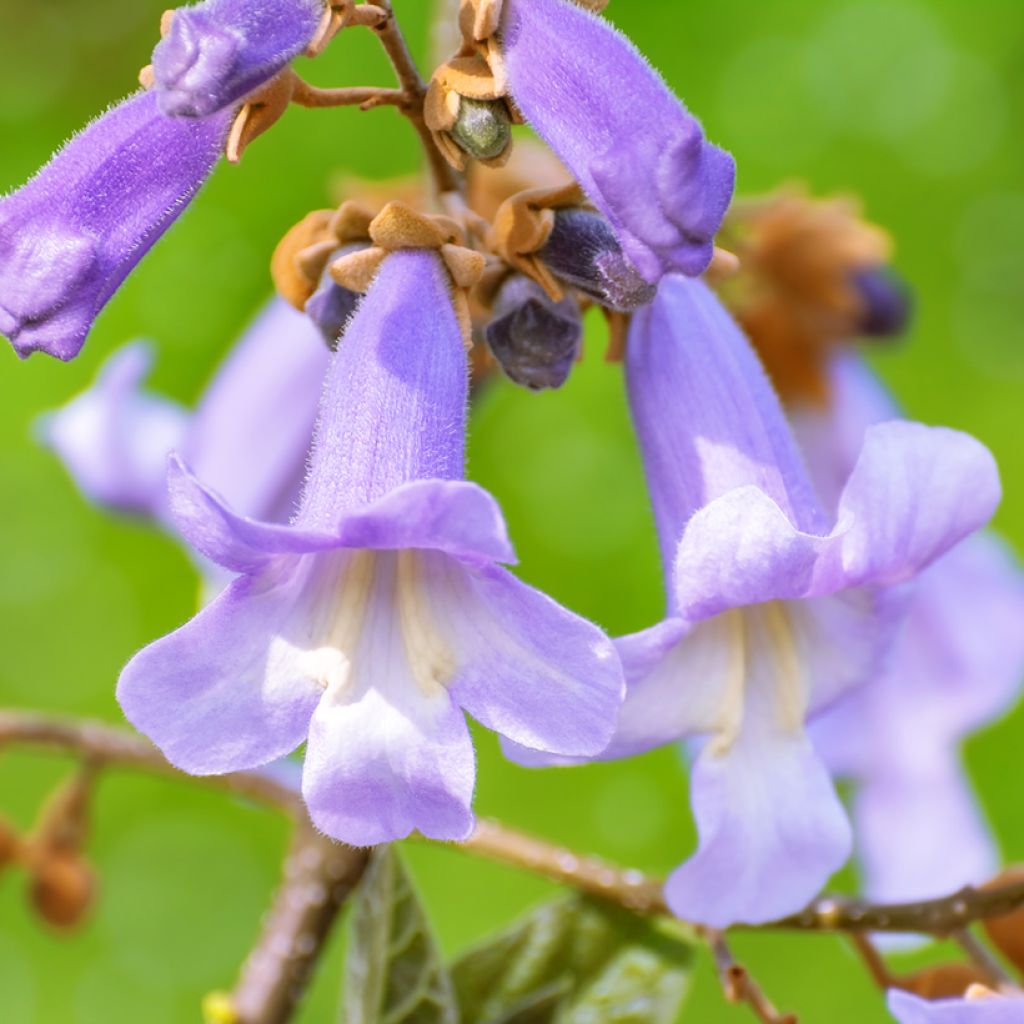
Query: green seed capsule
x,y
483,129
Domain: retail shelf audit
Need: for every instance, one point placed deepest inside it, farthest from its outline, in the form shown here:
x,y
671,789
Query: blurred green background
x,y
916,106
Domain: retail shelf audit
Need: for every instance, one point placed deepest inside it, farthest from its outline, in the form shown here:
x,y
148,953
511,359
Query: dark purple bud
x,y
219,51
584,252
887,302
536,341
71,235
331,305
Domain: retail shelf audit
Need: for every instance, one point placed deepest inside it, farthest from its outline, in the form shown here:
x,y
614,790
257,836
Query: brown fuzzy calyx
x,y
302,255
794,290
399,226
522,226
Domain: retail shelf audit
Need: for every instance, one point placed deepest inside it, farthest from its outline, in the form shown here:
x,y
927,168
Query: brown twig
x,y
739,986
941,917
306,95
319,876
873,961
982,958
107,745
415,90
630,889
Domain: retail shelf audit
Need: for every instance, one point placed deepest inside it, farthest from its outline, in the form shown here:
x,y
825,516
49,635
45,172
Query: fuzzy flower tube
x,y
71,235
775,607
639,155
247,438
218,52
373,622
957,663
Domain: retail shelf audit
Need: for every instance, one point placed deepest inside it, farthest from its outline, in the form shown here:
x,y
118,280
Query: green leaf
x,y
394,973
575,961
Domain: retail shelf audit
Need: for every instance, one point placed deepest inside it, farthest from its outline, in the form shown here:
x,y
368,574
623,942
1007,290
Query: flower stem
x,y
105,745
415,90
739,986
319,876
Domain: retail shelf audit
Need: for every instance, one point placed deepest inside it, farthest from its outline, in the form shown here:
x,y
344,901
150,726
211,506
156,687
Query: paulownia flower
x,y
774,606
980,1007
374,620
641,158
217,52
71,235
957,662
247,438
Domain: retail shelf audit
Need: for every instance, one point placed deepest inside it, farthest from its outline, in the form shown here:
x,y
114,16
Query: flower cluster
x,y
828,612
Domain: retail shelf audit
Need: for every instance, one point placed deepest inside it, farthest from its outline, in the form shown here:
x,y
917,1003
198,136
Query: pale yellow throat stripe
x,y
786,671
347,613
790,681
730,717
430,659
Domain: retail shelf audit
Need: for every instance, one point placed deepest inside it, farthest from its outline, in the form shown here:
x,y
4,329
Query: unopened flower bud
x,y
483,129
886,301
62,889
583,251
219,51
331,305
534,339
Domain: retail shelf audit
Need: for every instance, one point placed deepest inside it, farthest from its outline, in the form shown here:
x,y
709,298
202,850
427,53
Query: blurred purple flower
x,y
641,158
958,662
71,235
772,610
218,52
247,439
379,616
114,438
987,1009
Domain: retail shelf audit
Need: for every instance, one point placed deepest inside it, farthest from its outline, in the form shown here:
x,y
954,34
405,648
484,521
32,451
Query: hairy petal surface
x,y
394,407
219,51
71,235
639,155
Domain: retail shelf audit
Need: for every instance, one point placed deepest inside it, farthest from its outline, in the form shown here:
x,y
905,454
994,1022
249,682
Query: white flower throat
x,y
764,663
373,608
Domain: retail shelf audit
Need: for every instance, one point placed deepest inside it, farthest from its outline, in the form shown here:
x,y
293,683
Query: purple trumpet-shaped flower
x,y
219,51
957,662
71,235
373,621
772,613
985,1009
247,439
641,158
